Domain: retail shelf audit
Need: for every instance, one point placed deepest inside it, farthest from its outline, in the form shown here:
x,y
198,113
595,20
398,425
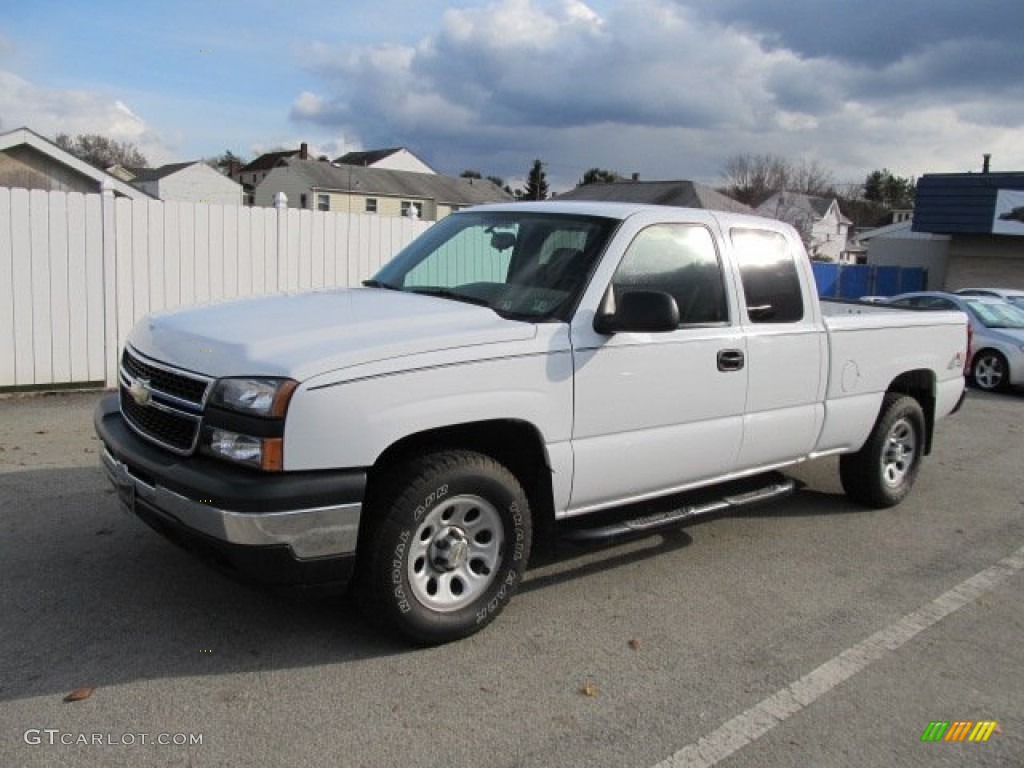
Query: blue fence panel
x,y
827,278
887,281
913,279
854,281
851,281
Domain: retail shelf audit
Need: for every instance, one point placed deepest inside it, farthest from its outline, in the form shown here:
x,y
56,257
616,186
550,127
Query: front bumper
x,y
285,528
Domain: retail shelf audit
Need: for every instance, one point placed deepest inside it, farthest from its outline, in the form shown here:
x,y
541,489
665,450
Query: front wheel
x,y
989,371
882,473
451,546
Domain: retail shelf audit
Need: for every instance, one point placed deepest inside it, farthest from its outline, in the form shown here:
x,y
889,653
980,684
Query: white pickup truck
x,y
520,369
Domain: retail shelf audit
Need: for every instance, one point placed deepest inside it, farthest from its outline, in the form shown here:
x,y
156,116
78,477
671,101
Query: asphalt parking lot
x,y
810,632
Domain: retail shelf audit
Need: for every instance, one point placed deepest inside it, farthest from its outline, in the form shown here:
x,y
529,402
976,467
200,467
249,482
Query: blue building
x,y
983,214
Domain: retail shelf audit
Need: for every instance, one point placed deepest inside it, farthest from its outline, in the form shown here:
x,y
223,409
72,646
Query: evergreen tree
x,y
536,183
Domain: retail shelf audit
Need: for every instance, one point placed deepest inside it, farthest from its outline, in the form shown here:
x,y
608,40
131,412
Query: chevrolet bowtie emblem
x,y
140,392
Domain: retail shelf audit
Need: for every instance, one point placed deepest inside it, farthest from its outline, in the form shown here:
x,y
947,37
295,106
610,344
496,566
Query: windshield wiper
x,y
379,284
448,293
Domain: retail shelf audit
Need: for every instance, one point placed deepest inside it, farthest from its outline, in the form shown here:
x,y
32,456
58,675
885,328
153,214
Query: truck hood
x,y
305,334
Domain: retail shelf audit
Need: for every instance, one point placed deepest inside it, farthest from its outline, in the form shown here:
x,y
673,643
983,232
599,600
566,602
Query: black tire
x,y
990,371
883,471
449,548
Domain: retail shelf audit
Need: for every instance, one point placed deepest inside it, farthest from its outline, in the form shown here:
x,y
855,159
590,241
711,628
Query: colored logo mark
x,y
959,730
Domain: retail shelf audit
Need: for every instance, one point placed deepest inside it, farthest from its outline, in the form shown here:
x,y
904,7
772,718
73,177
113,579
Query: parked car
x,y
1012,295
997,346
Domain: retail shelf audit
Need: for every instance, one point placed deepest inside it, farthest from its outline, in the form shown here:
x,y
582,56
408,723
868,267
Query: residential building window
x,y
371,205
408,206
323,202
303,200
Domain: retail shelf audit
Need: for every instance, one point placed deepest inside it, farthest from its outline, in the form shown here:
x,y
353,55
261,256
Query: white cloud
x,y
49,111
659,87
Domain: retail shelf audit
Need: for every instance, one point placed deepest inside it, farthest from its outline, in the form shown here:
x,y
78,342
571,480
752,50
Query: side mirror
x,y
501,241
639,312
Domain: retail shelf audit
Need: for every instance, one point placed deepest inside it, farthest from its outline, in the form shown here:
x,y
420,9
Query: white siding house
x,y
819,221
29,161
323,186
193,182
393,159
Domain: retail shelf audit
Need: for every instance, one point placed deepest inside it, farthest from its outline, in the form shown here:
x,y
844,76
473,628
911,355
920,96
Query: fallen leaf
x,y
997,728
635,643
80,693
588,689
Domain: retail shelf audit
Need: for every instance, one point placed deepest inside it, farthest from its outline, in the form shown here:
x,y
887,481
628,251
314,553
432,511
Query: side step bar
x,y
778,487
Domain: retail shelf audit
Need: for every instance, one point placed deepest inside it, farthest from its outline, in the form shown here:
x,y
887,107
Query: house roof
x,y
366,158
687,194
783,202
155,174
960,203
901,230
28,137
379,181
268,160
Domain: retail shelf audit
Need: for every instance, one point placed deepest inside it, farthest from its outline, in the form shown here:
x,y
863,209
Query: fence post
x,y
281,206
109,238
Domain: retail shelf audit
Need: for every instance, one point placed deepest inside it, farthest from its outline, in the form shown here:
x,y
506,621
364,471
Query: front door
x,y
659,411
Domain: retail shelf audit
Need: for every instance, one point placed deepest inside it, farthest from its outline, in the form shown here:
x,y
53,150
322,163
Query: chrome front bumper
x,y
308,533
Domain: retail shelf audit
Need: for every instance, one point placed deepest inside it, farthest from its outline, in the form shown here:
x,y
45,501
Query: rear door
x,y
786,348
659,411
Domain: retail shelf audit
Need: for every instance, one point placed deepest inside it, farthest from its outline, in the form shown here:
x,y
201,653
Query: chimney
x,y
303,151
985,159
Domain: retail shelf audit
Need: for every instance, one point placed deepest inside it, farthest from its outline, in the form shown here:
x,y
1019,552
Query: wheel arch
x,y
516,444
920,385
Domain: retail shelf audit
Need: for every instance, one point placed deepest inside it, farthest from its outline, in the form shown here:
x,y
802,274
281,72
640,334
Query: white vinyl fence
x,y
77,271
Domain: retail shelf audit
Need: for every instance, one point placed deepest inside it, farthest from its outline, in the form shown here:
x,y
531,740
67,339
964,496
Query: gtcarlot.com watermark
x,y
54,736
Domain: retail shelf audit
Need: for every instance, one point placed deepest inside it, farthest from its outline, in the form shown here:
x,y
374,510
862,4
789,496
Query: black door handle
x,y
730,360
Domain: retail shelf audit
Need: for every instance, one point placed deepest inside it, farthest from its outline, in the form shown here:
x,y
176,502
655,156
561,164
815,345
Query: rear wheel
x,y
989,371
882,473
451,547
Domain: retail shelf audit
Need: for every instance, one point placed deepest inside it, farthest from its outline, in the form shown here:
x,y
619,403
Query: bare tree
x,y
752,179
101,151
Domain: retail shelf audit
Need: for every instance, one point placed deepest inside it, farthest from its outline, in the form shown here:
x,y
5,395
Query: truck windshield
x,y
523,265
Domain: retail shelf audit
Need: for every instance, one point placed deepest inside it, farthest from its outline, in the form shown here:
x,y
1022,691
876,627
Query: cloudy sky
x,y
665,88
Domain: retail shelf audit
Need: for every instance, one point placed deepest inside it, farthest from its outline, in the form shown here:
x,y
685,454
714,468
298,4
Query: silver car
x,y
997,334
1012,295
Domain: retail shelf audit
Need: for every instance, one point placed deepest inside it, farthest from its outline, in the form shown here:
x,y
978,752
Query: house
x,y
251,174
687,194
193,182
819,221
358,189
983,216
394,159
898,245
29,161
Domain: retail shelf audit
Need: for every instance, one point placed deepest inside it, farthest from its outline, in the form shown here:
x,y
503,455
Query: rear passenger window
x,y
681,260
771,284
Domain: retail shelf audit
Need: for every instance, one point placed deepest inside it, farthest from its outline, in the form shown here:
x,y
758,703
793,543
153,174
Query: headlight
x,y
260,452
258,397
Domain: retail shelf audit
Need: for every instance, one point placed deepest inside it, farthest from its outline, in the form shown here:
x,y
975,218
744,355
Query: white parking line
x,y
751,725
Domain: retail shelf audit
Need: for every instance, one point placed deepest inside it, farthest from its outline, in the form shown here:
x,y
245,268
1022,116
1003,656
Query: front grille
x,y
172,429
178,385
172,402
